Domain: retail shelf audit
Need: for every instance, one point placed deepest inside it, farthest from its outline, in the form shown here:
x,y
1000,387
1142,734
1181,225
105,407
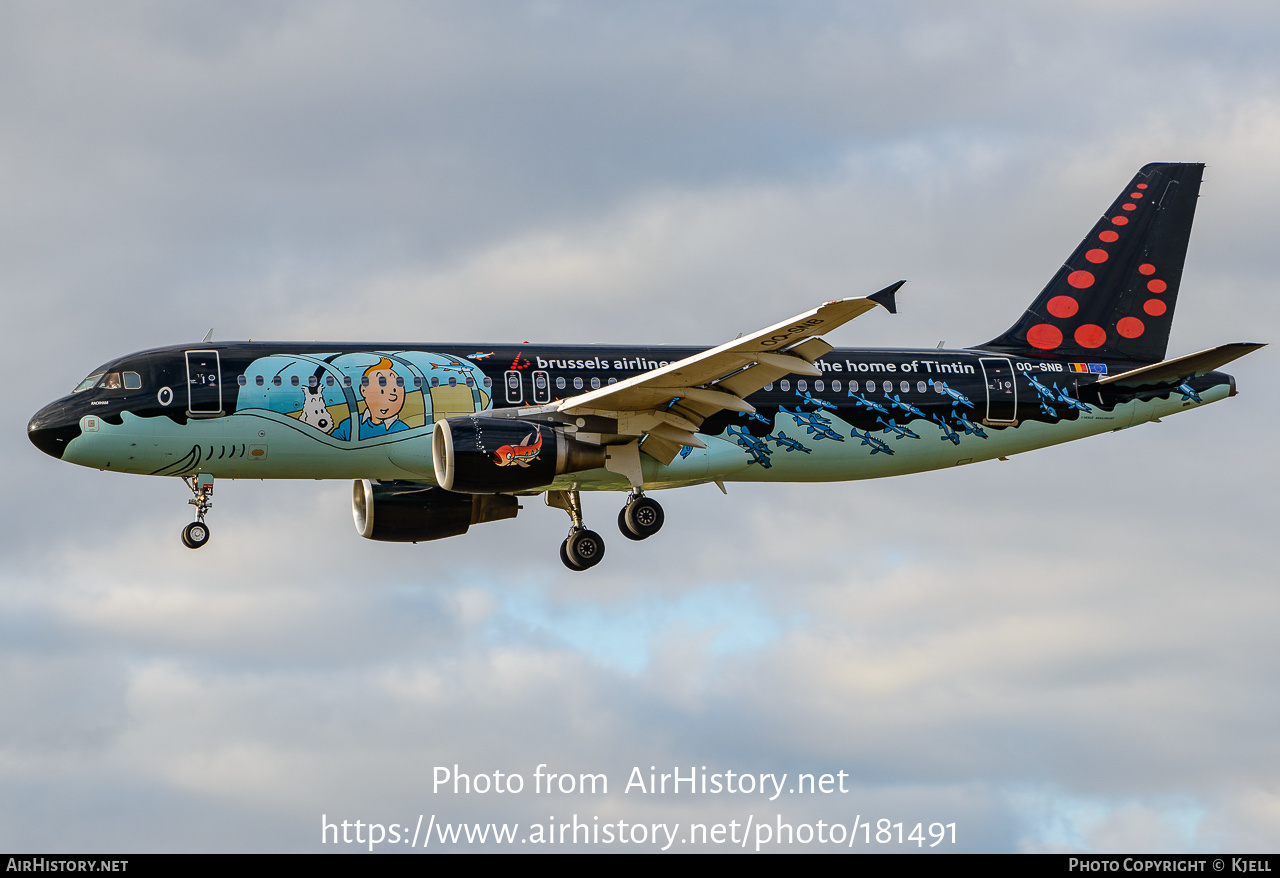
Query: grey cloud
x,y
1019,647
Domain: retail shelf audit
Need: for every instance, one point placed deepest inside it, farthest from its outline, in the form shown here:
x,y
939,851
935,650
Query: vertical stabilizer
x,y
1114,297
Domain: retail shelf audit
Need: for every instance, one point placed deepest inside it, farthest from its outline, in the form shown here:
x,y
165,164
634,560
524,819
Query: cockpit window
x,y
132,381
92,381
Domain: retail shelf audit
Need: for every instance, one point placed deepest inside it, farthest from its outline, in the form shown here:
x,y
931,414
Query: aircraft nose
x,y
51,430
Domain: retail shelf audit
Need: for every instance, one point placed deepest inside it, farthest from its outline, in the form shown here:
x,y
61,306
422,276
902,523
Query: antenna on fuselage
x,y
208,336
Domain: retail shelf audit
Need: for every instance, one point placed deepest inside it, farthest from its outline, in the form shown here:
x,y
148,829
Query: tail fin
x,y
1114,298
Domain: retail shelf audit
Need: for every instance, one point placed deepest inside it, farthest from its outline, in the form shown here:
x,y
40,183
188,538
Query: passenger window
x,y
888,387
560,383
819,386
399,381
293,379
769,386
937,386
275,381
346,380
784,385
921,387
835,385
802,385
453,381
133,381
242,381
328,381
595,383
364,380
257,379
905,386
471,382
382,380
613,380
488,382
313,382
435,380
577,384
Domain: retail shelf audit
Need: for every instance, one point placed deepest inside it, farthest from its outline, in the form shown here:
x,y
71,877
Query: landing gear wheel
x,y
622,525
564,555
641,518
582,550
195,535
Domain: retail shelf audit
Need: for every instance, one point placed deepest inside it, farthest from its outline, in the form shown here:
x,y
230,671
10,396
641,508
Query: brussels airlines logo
x,y
519,455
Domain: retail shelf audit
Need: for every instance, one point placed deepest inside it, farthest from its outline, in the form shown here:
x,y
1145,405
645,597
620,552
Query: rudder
x,y
1114,297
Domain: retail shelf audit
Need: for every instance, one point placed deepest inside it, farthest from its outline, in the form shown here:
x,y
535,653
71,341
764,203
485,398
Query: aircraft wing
x,y
667,405
1181,368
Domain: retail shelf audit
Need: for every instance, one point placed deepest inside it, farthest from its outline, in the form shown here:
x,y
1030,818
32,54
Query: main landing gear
x,y
196,534
582,548
640,519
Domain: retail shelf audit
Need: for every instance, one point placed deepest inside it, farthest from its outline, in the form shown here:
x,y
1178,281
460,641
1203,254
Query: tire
x,y
585,549
564,556
643,517
622,526
195,535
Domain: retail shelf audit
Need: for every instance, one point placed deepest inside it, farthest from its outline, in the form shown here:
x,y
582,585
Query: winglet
x,y
885,297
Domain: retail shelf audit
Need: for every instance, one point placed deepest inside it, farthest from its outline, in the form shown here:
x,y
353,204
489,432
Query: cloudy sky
x,y
1072,650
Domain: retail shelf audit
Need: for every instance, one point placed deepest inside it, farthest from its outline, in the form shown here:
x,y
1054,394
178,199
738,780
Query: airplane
x,y
427,431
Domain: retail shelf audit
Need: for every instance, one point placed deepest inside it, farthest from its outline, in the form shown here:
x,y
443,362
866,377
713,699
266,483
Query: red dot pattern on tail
x,y
1047,336
1044,336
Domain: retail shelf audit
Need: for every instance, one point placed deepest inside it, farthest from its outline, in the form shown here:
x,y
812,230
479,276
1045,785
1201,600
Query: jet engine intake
x,y
410,512
482,455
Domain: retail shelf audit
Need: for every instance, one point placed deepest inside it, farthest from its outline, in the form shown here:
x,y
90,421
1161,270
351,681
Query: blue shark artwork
x,y
436,440
1046,396
1068,400
805,419
901,432
753,444
906,406
947,432
956,396
877,445
867,403
969,426
784,441
812,400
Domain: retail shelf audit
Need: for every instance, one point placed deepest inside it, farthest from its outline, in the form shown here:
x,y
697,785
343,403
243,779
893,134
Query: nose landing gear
x,y
196,534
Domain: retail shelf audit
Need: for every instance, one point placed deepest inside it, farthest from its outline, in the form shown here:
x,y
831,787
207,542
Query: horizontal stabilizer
x,y
1179,369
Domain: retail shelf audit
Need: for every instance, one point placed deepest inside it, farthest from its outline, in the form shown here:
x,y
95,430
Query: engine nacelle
x,y
484,455
409,512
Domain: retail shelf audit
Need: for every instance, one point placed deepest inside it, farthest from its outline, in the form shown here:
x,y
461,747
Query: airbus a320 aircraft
x,y
440,437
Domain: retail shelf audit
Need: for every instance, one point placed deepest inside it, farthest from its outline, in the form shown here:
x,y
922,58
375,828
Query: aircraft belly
x,y
796,446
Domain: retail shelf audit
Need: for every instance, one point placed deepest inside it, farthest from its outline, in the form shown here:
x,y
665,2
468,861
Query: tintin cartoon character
x,y
383,393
